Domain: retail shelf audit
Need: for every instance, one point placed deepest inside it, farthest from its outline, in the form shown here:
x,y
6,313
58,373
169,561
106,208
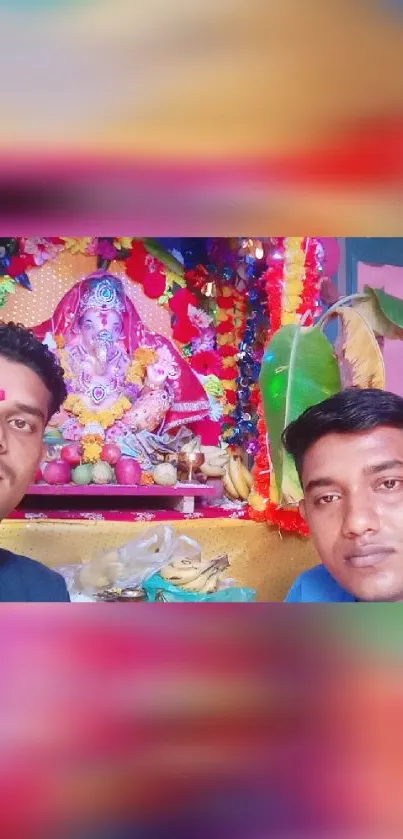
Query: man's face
x,y
353,488
24,409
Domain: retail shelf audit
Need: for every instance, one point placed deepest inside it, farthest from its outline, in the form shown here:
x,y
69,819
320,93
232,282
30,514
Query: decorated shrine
x,y
161,343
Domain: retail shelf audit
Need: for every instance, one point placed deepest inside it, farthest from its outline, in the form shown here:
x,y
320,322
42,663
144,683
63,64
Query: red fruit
x,y
111,454
38,476
71,454
128,471
57,472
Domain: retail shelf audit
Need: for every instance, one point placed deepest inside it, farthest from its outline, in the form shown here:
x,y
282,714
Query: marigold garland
x,y
147,479
105,418
229,336
64,360
92,447
143,358
292,285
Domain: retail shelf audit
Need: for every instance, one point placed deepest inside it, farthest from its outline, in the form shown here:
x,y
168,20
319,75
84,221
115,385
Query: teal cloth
x,y
177,595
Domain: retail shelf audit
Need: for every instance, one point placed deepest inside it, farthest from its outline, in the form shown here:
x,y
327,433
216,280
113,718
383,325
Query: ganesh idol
x,y
122,378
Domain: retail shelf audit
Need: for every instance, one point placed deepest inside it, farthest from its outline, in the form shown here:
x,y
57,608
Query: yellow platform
x,y
259,557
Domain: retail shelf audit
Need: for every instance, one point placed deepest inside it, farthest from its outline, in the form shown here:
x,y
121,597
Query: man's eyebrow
x,y
29,409
384,466
316,483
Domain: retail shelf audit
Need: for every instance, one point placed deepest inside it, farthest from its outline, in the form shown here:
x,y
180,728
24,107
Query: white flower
x,y
42,249
95,428
199,318
216,410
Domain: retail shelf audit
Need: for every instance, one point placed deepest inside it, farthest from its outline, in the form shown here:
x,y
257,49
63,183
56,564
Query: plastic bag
x,y
159,589
70,574
132,564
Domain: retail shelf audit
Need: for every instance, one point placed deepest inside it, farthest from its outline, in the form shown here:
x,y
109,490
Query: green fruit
x,y
102,473
82,475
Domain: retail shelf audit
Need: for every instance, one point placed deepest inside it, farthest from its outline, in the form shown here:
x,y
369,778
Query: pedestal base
x,y
259,557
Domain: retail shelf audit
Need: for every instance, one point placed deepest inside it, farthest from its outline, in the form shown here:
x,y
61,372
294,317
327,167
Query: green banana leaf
x,y
383,312
155,249
299,370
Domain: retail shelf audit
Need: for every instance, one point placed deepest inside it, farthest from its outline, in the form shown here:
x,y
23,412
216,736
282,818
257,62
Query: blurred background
x,y
121,722
203,117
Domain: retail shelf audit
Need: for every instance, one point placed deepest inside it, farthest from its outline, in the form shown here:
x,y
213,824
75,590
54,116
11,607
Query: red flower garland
x,y
197,278
142,267
289,520
207,362
229,333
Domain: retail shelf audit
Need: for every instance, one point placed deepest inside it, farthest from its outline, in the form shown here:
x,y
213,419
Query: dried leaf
x,y
362,362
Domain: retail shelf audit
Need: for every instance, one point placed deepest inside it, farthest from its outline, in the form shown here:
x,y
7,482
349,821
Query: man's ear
x,y
302,509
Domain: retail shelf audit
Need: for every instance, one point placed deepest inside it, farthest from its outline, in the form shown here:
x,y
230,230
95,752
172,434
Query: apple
x,y
57,472
128,471
111,453
72,454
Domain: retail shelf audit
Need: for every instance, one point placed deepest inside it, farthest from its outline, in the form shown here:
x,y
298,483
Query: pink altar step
x,y
184,493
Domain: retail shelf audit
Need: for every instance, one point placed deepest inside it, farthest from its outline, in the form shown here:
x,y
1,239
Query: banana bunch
x,y
237,480
216,460
215,457
195,574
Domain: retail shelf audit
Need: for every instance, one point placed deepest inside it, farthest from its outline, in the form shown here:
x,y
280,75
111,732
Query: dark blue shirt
x,y
25,580
318,586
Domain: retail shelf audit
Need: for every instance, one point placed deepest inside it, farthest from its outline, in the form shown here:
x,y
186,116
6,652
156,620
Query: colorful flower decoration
x,y
242,348
206,340
147,270
106,250
92,447
207,362
123,243
42,250
75,245
200,319
197,278
182,328
216,308
7,286
292,282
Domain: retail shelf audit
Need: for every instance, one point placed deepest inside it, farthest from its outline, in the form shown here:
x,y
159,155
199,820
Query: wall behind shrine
x,y
389,277
378,262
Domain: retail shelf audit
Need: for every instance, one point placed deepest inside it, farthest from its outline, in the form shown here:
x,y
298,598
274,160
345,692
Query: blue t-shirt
x,y
318,586
23,580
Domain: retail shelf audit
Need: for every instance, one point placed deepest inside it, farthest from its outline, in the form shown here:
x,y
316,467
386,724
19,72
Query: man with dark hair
x,y
348,451
32,389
